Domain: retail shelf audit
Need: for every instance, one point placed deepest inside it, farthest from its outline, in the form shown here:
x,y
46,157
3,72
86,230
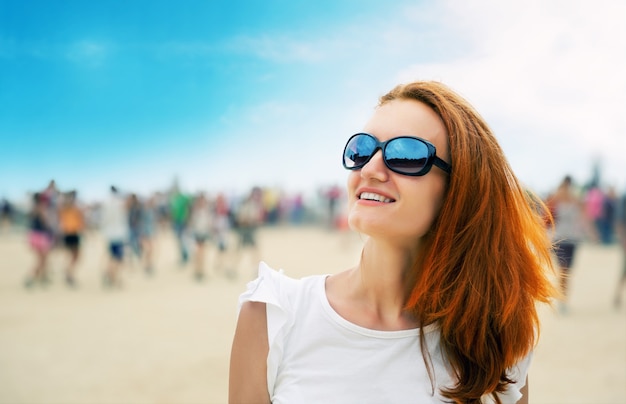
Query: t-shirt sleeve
x,y
274,289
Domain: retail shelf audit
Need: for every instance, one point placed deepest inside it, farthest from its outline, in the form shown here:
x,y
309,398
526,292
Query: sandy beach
x,y
166,338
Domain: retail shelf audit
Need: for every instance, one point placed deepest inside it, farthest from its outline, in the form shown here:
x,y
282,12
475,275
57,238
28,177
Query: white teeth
x,y
374,197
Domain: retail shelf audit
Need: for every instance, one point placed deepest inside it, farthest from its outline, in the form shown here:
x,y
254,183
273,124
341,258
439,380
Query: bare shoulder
x,y
248,358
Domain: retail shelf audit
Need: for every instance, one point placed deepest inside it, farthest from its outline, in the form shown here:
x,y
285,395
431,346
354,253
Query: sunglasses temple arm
x,y
443,165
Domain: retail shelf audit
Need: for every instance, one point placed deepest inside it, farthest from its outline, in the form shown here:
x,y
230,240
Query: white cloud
x,y
181,48
557,69
88,52
548,77
280,49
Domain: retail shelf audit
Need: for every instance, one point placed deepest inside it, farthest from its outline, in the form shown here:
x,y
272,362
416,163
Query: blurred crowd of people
x,y
227,225
589,213
128,222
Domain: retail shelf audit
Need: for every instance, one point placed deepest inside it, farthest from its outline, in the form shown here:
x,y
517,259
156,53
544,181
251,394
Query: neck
x,y
378,280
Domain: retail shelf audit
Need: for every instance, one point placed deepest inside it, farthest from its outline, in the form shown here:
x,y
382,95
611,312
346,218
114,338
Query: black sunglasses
x,y
403,155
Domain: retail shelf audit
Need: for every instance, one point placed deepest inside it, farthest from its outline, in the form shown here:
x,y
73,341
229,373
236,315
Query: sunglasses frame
x,y
432,158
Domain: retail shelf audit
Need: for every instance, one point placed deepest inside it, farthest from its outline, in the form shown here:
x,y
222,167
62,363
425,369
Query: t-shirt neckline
x,y
341,321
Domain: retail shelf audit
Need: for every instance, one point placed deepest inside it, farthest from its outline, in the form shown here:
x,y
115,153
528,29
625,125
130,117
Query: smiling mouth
x,y
370,196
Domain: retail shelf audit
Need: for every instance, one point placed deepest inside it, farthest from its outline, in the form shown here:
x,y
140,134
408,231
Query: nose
x,y
375,168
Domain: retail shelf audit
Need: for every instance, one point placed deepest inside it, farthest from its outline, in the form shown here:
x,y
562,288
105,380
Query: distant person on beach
x,y
40,240
441,306
221,230
621,235
71,226
609,216
249,216
200,223
135,225
52,197
114,228
149,224
333,195
594,203
6,215
180,207
568,232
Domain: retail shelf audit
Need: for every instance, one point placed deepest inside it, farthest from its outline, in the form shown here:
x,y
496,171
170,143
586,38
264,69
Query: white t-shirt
x,y
317,356
568,222
114,219
201,220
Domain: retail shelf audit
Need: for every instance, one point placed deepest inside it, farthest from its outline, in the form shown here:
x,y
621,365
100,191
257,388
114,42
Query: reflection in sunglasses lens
x,y
403,155
359,150
406,155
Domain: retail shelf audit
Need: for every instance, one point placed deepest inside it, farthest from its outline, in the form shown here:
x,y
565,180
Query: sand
x,y
166,338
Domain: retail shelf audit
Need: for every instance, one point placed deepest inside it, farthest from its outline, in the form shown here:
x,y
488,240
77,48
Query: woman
x,y
115,229
72,224
40,240
621,234
201,222
568,231
250,215
148,230
221,229
135,226
441,306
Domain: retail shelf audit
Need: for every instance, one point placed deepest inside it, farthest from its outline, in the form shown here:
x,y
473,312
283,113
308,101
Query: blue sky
x,y
227,94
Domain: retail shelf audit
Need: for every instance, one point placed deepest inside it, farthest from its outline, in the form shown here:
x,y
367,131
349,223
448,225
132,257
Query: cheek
x,y
421,215
436,203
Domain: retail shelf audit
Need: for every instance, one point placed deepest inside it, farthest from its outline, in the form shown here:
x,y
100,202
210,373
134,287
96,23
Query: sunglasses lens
x,y
358,151
406,155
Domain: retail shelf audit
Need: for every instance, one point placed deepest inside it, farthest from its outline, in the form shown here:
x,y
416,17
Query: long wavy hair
x,y
486,261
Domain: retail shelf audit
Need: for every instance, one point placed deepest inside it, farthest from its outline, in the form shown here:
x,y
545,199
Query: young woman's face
x,y
409,204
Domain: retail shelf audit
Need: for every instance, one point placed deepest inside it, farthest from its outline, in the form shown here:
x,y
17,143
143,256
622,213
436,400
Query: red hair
x,y
486,260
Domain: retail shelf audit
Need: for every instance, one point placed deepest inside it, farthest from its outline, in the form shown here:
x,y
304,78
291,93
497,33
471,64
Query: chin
x,y
356,224
368,226
380,228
